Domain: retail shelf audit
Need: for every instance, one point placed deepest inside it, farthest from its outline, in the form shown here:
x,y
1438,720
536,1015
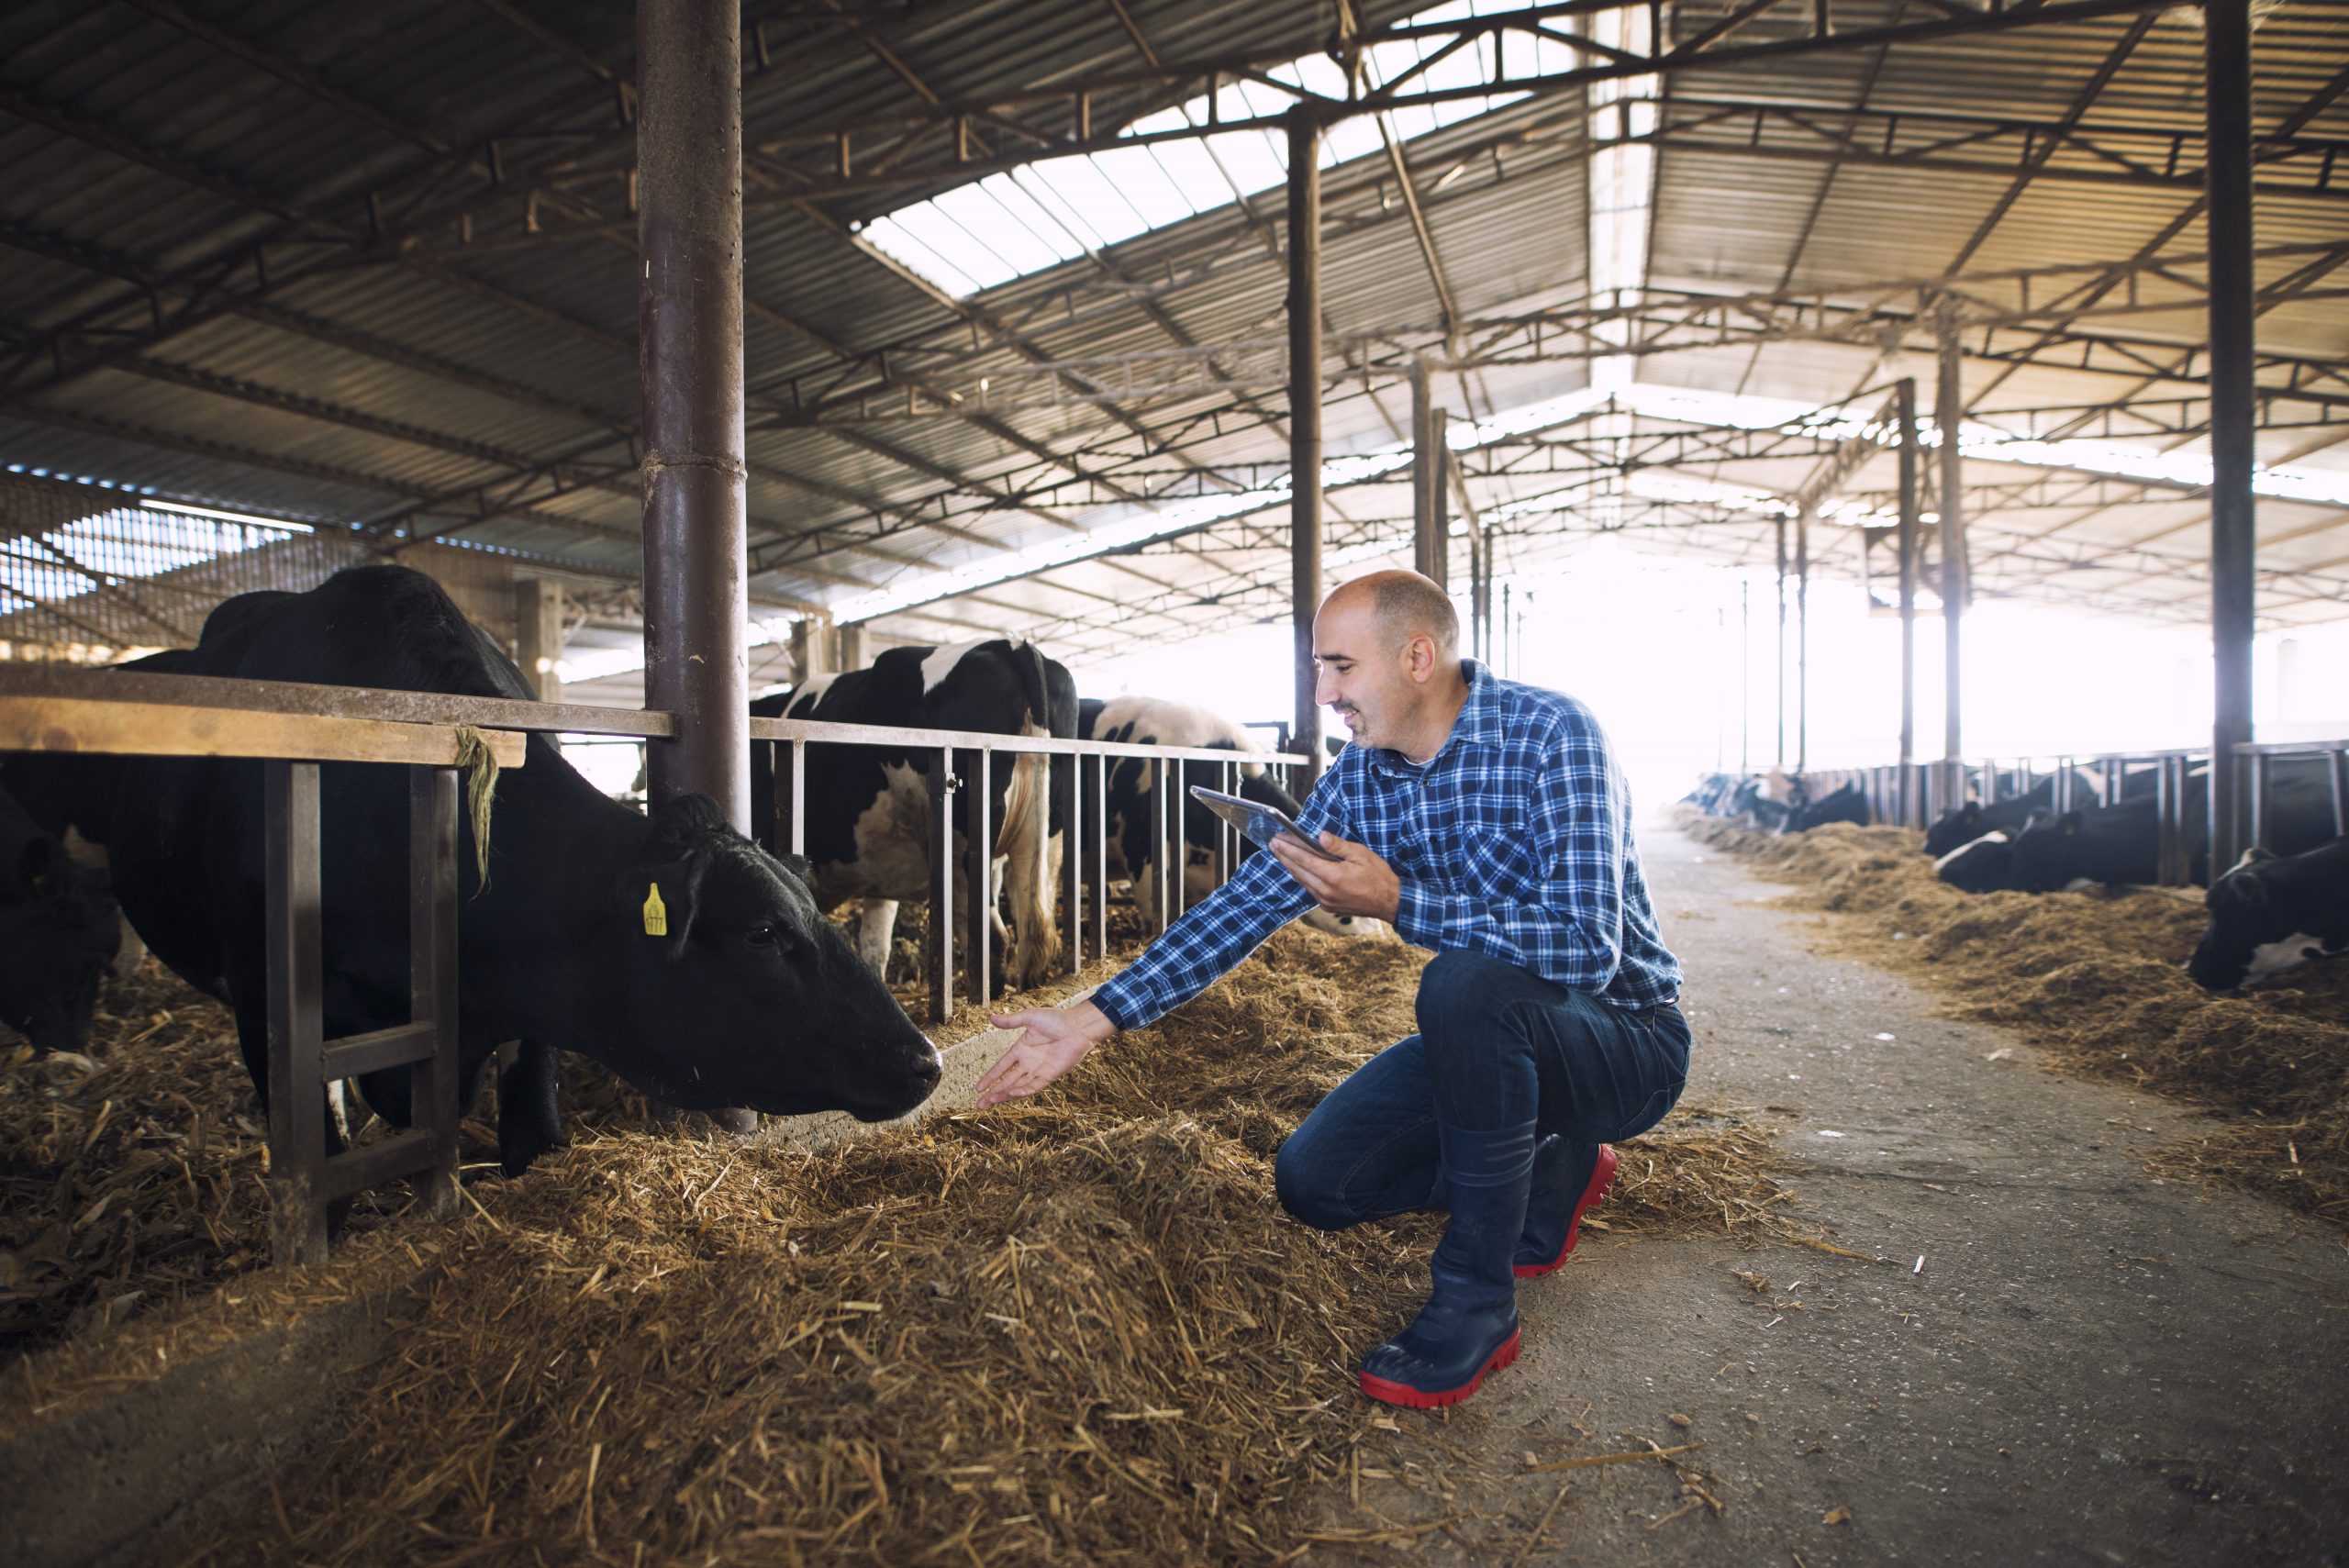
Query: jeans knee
x,y
1304,1190
1458,987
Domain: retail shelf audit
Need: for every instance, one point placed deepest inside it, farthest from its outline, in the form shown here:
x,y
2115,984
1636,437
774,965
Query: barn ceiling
x,y
373,268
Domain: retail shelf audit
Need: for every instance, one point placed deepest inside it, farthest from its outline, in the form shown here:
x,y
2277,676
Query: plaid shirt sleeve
x,y
1565,928
1220,930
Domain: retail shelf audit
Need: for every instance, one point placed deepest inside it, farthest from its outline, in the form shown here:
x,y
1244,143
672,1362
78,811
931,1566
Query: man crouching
x,y
1484,819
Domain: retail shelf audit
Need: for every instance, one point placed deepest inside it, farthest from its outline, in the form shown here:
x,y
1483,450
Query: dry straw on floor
x,y
2096,977
1078,1330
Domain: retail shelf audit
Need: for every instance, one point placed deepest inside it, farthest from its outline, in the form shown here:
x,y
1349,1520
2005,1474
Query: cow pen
x,y
658,364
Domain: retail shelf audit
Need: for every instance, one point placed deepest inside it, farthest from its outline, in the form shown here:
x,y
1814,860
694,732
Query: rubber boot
x,y
1469,1325
1564,1189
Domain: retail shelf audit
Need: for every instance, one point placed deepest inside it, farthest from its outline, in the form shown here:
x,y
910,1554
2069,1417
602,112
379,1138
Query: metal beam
x,y
697,614
1305,424
2226,28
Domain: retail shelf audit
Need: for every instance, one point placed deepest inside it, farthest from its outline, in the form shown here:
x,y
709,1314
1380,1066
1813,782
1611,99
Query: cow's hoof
x,y
527,1127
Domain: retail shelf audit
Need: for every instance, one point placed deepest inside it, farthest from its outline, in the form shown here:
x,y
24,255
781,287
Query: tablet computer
x,y
1261,823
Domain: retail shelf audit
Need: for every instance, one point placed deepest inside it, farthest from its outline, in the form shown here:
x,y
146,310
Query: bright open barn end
x,y
661,662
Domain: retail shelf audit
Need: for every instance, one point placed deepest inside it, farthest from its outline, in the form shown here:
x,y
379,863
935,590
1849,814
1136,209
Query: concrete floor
x,y
2092,1366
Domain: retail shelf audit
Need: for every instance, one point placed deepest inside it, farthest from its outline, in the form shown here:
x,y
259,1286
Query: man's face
x,y
1368,681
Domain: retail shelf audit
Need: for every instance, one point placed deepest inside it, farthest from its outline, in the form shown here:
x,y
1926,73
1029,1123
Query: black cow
x,y
868,807
1849,804
751,999
1133,843
1962,825
2120,844
2272,912
59,932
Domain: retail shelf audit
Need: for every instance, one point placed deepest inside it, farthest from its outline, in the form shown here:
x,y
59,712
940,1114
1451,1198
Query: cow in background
x,y
1133,852
2272,912
58,933
867,820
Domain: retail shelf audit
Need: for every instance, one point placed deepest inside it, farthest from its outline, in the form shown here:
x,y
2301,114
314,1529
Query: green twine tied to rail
x,y
479,765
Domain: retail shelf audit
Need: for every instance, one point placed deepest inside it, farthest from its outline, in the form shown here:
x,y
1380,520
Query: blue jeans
x,y
1497,1047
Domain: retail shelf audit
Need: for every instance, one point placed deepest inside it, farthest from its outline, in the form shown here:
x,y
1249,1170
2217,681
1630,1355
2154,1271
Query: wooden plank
x,y
327,702
372,1164
435,1088
297,1130
159,730
374,1050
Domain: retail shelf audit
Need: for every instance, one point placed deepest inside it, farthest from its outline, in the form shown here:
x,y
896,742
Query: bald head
x,y
1403,605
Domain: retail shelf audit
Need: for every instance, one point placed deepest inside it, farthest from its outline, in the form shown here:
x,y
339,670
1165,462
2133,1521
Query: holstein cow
x,y
58,930
868,807
2272,912
1956,828
748,999
2120,844
1133,844
1849,804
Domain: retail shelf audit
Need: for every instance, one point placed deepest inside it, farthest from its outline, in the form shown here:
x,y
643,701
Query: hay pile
x,y
1075,1330
2096,976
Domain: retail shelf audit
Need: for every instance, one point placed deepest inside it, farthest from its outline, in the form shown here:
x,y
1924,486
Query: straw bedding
x,y
1076,1329
2096,977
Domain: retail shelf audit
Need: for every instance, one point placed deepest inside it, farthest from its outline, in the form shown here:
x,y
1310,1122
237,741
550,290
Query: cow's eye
x,y
763,936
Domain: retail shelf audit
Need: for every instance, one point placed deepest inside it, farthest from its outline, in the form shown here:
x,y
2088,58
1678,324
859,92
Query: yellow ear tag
x,y
656,914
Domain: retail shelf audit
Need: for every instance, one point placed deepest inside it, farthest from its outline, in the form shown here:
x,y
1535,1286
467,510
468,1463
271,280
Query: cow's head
x,y
2250,935
60,930
1954,828
740,993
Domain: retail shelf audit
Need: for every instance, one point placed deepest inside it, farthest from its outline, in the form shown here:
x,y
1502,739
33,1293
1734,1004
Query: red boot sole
x,y
1602,1176
1412,1399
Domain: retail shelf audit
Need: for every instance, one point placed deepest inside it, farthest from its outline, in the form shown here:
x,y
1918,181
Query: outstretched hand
x,y
1051,1041
1358,883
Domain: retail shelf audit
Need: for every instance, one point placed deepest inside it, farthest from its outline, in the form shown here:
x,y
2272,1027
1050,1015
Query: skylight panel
x,y
970,239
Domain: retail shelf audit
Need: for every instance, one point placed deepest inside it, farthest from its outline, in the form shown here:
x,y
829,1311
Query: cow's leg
x,y
529,1119
1026,829
876,925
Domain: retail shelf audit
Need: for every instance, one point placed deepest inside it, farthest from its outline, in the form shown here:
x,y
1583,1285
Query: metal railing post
x,y
979,848
941,887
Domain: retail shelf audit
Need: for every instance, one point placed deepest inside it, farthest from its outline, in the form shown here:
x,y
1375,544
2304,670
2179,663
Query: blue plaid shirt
x,y
1514,840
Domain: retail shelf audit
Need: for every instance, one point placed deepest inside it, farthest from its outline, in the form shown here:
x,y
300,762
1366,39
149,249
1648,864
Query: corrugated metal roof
x,y
157,143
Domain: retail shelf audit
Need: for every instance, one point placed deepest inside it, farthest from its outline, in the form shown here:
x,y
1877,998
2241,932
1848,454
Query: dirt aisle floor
x,y
2091,1366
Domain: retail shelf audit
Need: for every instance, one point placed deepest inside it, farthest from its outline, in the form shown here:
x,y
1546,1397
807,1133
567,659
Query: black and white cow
x,y
749,998
1133,843
1962,825
2120,844
1848,803
2272,912
867,820
59,931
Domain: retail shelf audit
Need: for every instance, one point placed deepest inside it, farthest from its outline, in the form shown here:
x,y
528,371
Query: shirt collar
x,y
1479,723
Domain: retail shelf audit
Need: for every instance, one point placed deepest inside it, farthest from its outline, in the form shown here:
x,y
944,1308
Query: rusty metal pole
x,y
689,339
2233,531
1305,419
1906,400
1430,545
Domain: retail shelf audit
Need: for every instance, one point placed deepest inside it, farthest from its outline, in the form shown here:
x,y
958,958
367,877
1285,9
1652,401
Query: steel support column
x,y
1949,410
689,343
1802,638
1905,399
1305,420
2233,534
1431,550
1779,754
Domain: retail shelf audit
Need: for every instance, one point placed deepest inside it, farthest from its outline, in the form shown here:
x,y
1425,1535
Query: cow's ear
x,y
36,866
2258,853
2071,821
1969,811
657,903
799,866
